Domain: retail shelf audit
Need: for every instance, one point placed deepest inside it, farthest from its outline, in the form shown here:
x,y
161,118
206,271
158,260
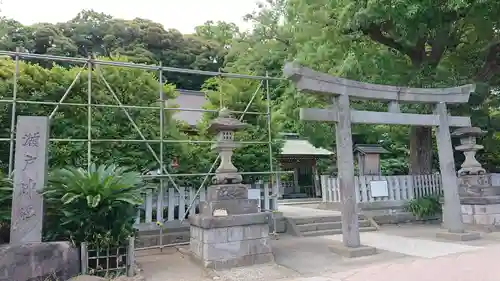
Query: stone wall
x,y
487,216
38,261
220,248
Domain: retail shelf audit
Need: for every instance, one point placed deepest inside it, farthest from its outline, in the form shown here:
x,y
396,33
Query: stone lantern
x,y
479,191
469,147
229,231
225,126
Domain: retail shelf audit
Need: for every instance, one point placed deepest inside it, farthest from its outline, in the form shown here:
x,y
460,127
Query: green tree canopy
x,y
109,124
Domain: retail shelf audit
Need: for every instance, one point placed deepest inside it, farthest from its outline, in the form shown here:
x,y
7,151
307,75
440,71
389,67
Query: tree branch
x,y
374,31
377,33
491,65
439,44
448,37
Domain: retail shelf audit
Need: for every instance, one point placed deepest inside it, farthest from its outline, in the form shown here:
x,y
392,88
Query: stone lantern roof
x,y
224,122
468,132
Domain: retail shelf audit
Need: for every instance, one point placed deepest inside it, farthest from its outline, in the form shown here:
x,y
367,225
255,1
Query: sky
x,y
182,15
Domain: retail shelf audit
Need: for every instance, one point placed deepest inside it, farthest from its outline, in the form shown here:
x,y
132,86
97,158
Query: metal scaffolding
x,y
92,64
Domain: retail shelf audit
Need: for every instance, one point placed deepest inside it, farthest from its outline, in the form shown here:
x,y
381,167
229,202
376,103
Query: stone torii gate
x,y
341,90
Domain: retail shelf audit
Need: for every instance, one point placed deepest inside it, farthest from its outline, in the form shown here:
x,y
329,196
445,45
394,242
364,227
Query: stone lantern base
x,y
229,231
481,212
232,241
480,201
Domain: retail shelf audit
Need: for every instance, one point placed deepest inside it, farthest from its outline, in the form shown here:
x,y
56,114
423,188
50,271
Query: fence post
x,y
131,257
267,198
411,187
84,258
149,205
323,181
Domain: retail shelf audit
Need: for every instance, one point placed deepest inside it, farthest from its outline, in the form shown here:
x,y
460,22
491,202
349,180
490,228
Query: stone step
x,y
327,225
303,201
334,231
310,220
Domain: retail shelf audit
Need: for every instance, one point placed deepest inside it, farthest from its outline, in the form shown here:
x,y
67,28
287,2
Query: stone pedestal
x,y
231,241
480,202
482,213
228,199
477,186
229,231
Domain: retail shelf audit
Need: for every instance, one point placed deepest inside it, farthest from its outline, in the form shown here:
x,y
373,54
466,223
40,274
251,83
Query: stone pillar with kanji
x,y
229,231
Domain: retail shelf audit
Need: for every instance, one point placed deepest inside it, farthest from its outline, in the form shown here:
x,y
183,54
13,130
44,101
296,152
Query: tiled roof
x,y
192,100
302,147
370,149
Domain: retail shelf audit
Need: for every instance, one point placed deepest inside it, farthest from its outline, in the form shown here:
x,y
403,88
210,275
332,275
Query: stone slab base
x,y
482,212
231,263
232,241
349,252
464,236
39,261
482,228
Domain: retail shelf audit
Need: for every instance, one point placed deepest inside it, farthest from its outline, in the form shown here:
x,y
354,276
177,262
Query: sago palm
x,y
97,205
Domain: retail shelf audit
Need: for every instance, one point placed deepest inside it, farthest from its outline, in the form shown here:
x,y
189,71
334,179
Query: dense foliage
x,y
416,43
5,207
97,205
38,84
92,33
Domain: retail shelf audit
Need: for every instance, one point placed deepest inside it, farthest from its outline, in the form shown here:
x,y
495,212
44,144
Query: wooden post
x,y
316,183
345,164
296,186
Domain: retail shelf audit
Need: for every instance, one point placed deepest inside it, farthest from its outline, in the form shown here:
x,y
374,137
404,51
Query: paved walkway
x,y
473,266
409,246
406,253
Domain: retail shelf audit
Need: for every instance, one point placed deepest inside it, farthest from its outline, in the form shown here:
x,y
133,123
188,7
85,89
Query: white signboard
x,y
379,189
220,213
254,194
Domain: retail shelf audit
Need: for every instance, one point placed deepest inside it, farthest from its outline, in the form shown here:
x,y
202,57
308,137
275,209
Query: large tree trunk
x,y
420,150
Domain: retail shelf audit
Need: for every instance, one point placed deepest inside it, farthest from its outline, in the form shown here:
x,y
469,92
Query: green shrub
x,y
6,190
97,206
424,207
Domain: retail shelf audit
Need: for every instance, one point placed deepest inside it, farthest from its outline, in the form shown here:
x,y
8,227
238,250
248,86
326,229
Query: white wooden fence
x,y
173,204
398,187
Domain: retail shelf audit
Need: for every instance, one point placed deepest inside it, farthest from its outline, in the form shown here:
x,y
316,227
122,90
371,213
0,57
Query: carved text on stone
x,y
31,139
28,160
